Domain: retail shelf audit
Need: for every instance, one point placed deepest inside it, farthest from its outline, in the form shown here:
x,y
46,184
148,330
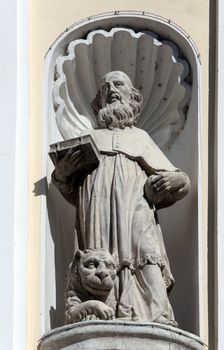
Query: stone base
x,y
119,335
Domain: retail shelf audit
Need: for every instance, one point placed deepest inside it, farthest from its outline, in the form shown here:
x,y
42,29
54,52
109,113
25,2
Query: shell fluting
x,y
155,66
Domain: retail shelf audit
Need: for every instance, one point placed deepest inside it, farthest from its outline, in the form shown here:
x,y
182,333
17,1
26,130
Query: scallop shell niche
x,y
155,65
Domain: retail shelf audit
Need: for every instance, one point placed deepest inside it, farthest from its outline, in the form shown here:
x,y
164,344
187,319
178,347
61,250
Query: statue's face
x,y
116,87
97,272
117,103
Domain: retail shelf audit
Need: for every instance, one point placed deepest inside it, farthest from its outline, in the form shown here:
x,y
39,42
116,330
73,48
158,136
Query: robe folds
x,y
113,213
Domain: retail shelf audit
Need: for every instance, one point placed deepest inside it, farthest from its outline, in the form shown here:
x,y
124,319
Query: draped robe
x,y
112,212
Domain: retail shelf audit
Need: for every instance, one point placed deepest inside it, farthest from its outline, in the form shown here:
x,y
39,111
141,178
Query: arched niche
x,y
181,223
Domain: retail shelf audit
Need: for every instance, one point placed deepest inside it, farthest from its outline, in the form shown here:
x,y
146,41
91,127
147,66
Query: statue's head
x,y
117,103
94,271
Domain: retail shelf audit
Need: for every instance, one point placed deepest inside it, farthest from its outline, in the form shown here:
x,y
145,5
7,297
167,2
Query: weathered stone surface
x,y
116,202
89,293
117,335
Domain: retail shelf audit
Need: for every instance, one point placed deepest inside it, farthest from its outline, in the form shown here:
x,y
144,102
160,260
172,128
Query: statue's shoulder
x,y
86,132
103,139
139,131
140,134
96,132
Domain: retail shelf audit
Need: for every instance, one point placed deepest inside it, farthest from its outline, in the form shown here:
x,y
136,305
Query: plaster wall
x,y
47,20
14,169
7,157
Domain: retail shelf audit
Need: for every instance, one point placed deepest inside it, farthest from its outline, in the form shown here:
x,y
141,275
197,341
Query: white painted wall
x,y
14,173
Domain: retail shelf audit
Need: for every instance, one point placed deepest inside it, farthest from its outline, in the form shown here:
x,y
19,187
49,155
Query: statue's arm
x,y
64,176
167,187
66,187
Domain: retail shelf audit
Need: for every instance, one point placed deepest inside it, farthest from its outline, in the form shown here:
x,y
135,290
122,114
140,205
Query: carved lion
x,y
89,290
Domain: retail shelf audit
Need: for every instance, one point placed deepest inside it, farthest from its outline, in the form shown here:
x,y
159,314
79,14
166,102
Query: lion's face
x,y
97,271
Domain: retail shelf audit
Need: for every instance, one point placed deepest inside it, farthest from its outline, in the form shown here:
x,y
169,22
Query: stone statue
x,y
89,287
116,202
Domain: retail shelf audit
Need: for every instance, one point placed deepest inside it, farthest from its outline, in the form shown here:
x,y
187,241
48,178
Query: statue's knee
x,y
153,275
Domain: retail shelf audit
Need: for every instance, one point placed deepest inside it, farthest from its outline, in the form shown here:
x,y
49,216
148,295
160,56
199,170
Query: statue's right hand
x,y
66,166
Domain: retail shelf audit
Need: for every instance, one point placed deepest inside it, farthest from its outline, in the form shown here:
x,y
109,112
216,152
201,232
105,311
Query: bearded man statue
x,y
116,203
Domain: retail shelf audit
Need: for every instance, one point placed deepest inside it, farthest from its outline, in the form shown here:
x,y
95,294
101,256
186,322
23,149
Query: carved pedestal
x,y
119,335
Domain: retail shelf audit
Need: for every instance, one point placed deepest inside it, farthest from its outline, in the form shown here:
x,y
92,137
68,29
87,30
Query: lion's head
x,y
92,271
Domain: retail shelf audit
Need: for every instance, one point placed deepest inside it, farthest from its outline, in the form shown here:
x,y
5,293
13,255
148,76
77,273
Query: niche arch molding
x,y
182,223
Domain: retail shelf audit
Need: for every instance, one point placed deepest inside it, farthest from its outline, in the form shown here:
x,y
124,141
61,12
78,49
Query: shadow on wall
x,y
61,219
180,235
40,187
61,236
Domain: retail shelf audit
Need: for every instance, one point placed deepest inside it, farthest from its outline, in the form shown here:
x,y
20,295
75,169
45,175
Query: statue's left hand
x,y
168,181
164,188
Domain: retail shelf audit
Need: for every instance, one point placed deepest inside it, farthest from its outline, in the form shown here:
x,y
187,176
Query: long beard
x,y
118,115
